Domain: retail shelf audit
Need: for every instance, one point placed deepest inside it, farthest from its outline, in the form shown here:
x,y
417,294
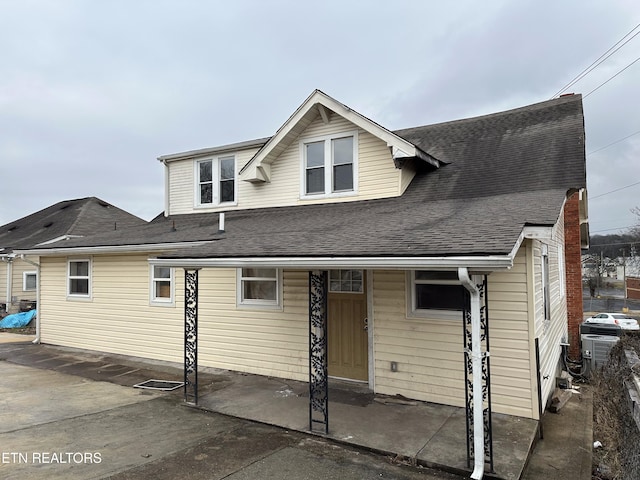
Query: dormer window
x,y
216,181
329,165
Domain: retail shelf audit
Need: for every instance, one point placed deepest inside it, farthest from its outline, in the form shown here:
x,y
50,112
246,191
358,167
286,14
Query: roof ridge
x,y
525,108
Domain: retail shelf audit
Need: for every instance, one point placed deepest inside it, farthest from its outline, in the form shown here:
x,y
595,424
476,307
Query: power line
x,y
610,229
613,143
613,191
599,60
611,78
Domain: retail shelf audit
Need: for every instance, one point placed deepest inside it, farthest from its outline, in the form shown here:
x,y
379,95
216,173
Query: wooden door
x,y
348,338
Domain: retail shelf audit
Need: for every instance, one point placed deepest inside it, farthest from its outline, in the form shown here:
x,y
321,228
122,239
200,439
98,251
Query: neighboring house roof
x,y
502,173
67,219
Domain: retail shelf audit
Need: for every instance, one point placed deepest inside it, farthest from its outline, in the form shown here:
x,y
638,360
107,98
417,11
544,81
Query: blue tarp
x,y
17,320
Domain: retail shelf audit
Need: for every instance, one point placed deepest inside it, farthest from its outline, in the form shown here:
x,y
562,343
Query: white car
x,y
623,320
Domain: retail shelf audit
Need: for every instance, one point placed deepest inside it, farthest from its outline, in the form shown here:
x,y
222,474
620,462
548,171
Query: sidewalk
x,y
423,434
565,452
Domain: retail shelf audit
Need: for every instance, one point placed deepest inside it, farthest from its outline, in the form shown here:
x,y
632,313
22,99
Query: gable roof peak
x,y
257,170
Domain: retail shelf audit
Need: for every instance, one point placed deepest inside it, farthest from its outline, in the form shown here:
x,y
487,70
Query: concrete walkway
x,y
421,433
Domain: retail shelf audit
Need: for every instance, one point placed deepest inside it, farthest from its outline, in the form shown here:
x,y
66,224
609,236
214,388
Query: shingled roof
x,y
78,217
502,172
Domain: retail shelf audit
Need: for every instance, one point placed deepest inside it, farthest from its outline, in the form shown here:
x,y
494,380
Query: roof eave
x,y
123,249
478,263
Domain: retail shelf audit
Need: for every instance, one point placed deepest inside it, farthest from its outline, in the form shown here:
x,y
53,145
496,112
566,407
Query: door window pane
x,y
346,281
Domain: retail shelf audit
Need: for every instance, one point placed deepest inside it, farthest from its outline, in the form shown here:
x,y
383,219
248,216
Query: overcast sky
x,y
91,93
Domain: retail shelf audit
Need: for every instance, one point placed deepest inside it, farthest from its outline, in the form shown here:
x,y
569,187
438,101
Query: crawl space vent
x,y
163,385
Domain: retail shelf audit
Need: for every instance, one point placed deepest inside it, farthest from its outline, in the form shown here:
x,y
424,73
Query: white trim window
x,y
561,275
79,278
329,165
437,294
29,281
259,287
215,181
546,295
162,285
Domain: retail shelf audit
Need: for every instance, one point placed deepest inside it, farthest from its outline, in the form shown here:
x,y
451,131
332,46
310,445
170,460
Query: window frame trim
x,y
328,165
216,178
257,304
160,301
89,277
430,313
24,281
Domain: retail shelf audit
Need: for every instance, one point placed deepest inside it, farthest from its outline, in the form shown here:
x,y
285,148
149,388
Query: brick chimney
x,y
573,270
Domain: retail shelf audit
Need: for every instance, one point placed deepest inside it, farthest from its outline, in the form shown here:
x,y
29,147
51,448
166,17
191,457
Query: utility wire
x,y
599,60
611,78
613,143
610,229
613,191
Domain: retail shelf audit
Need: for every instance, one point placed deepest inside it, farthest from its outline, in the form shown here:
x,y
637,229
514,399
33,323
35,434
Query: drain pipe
x,y
37,265
476,364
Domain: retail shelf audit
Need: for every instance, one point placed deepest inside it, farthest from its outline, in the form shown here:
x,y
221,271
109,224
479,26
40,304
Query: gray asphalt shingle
x,y
503,171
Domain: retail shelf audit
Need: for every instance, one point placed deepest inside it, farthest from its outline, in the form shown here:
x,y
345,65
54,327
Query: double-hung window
x,y
79,278
329,165
162,285
216,181
259,286
435,293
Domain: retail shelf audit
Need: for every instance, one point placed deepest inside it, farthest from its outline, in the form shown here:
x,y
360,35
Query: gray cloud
x,y
91,93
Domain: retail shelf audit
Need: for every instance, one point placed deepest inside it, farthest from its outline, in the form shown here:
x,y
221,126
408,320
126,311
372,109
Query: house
x,y
56,223
337,247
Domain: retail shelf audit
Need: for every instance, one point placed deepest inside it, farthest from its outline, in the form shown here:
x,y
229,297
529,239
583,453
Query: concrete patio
x,y
410,432
417,432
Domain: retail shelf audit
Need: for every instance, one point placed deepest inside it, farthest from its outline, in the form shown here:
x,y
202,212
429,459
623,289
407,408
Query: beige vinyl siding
x,y
119,318
18,267
272,342
377,175
3,282
406,175
182,184
550,334
181,187
429,352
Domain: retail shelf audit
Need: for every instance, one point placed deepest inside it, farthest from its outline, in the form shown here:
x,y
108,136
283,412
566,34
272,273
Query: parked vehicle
x,y
623,320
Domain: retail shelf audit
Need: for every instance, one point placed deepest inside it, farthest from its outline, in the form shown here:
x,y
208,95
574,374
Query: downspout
x,y
37,265
476,365
166,188
9,261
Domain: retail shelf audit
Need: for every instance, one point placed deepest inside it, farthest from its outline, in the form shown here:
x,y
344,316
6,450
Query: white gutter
x,y
111,249
492,262
37,265
476,365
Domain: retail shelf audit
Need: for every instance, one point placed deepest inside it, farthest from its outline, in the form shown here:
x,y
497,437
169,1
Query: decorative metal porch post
x,y
191,336
486,375
318,364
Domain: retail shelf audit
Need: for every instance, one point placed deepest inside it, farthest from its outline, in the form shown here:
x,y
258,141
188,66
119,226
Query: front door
x,y
347,329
